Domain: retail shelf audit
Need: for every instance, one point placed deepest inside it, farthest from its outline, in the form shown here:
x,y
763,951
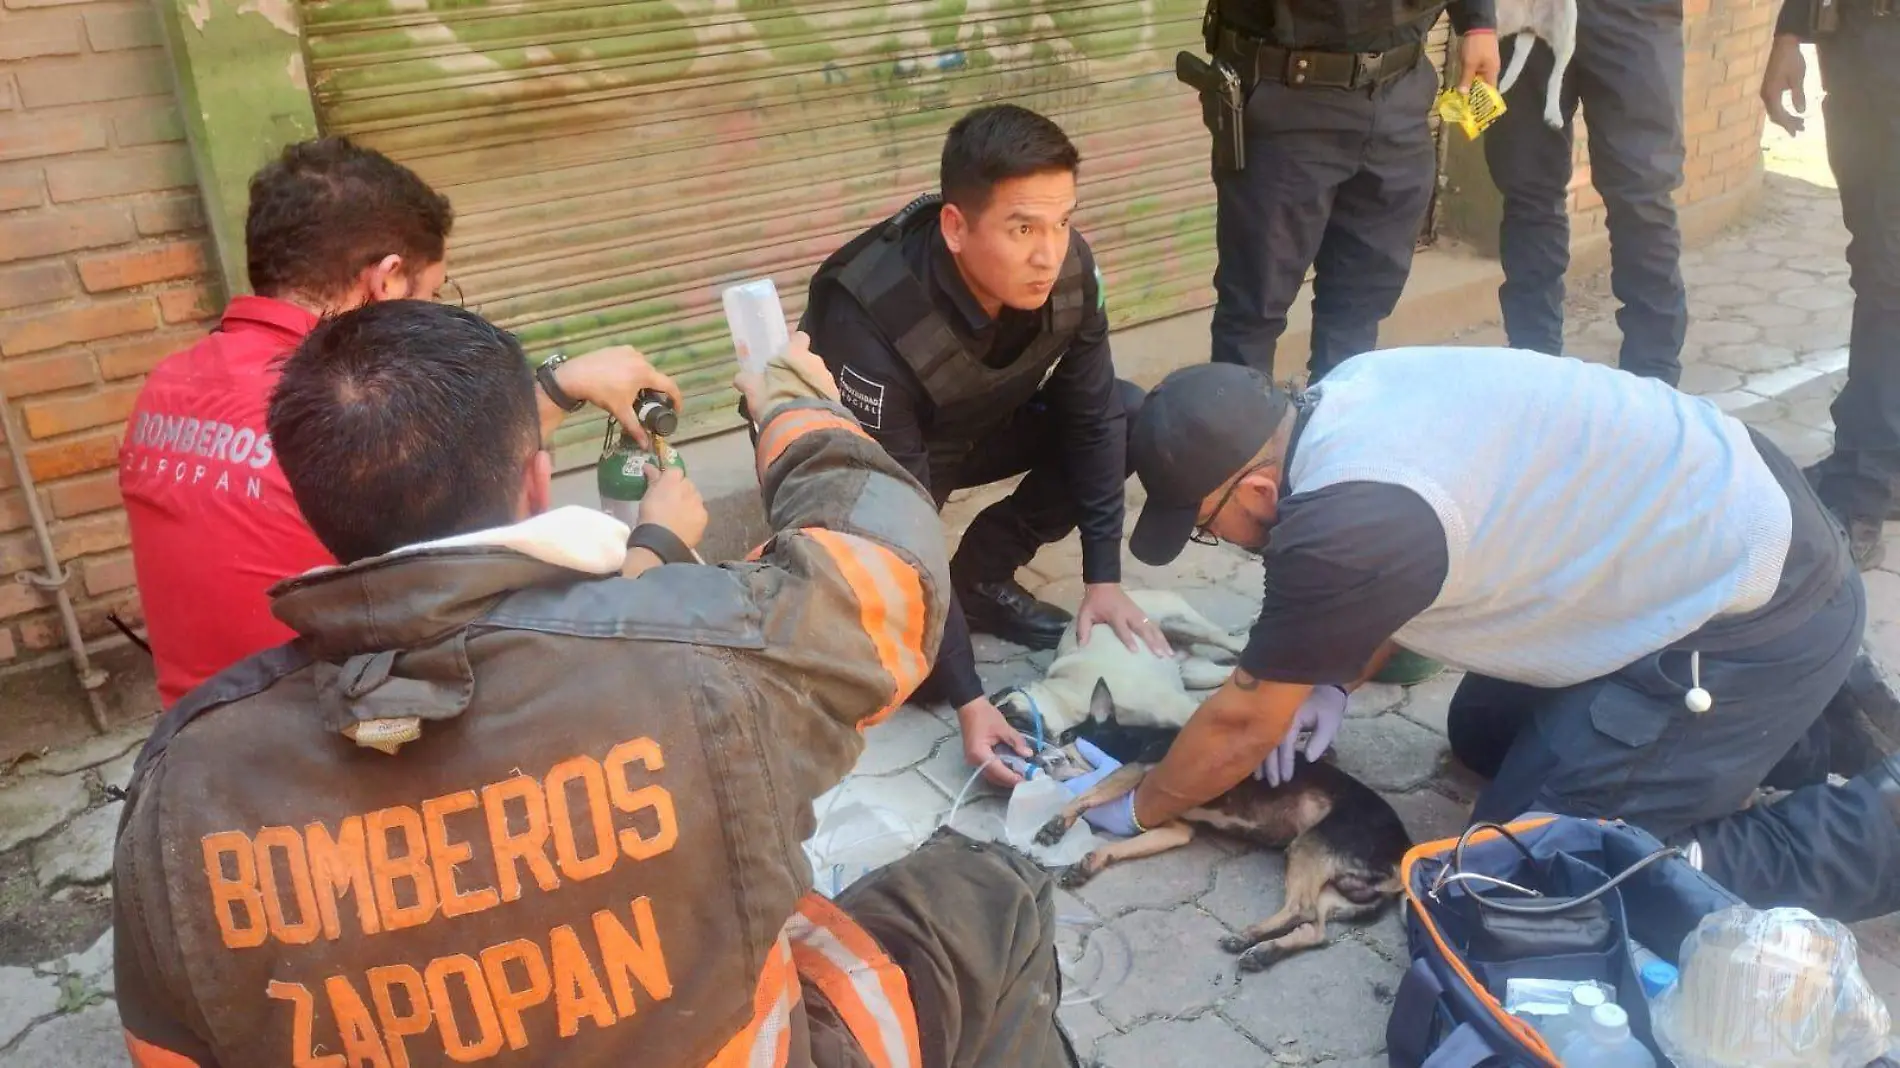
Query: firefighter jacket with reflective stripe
x,y
589,853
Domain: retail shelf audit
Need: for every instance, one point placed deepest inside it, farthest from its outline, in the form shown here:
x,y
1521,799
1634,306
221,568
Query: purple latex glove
x,y
1321,714
1115,817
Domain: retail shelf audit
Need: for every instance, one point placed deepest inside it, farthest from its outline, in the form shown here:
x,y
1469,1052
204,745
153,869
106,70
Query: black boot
x,y
1864,542
1863,720
1006,610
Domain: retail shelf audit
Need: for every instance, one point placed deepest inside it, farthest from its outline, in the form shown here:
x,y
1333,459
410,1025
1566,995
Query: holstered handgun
x,y
1223,105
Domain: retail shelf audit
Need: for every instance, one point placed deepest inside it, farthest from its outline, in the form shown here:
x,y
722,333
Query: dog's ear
x,y
1101,703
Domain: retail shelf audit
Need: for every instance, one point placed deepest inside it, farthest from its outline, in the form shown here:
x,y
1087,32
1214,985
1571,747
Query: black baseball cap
x,y
1198,428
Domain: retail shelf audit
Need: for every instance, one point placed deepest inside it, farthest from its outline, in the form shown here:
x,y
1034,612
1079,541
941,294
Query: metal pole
x,y
54,579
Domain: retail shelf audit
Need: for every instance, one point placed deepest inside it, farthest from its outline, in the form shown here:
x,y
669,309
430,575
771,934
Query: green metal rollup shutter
x,y
615,164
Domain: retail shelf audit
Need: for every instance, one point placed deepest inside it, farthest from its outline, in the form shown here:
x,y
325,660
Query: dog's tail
x,y
1362,889
1520,55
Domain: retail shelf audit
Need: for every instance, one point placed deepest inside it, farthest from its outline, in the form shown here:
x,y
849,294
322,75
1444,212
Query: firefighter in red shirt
x,y
332,226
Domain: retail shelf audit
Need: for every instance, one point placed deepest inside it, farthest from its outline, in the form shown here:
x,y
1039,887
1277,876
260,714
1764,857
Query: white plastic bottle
x,y
1606,1042
1584,998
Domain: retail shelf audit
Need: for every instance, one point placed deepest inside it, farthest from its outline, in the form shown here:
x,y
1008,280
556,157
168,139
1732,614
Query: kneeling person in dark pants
x,y
1653,607
968,333
1337,163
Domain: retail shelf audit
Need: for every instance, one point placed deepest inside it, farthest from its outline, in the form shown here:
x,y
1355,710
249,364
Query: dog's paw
x,y
1236,943
1053,831
1074,875
1259,959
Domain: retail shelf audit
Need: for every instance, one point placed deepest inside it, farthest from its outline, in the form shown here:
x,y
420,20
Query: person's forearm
x,y
1101,561
550,414
1224,741
639,560
954,678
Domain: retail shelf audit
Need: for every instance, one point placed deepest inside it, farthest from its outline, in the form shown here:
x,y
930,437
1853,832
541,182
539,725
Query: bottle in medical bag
x,y
1605,1042
621,474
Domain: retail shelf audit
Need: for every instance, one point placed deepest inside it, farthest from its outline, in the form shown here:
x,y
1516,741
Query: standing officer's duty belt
x,y
1241,62
1257,61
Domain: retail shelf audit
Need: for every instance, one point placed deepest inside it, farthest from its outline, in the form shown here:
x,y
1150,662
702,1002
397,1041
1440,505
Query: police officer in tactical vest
x,y
969,335
1858,41
1323,160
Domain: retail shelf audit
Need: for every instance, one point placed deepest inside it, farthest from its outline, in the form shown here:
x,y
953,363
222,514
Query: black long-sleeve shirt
x,y
886,396
1255,19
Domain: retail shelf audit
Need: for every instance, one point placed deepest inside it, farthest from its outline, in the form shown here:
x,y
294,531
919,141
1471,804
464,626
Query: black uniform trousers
x,y
1338,181
1626,746
1627,73
1040,511
1861,68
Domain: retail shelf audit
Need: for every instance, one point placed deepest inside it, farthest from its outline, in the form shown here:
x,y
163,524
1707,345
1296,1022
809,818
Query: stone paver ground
x,y
1770,322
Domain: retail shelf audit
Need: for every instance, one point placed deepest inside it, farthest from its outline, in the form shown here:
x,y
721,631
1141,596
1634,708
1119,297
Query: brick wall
x,y
103,271
1727,44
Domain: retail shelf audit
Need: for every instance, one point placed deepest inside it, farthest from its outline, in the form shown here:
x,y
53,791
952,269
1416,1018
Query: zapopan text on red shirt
x,y
204,439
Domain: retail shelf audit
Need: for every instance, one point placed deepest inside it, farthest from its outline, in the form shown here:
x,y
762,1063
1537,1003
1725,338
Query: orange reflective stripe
x,y
146,1055
1522,1031
866,987
778,435
766,1040
890,599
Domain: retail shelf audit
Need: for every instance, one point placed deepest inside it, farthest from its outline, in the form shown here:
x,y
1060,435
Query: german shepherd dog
x,y
1343,841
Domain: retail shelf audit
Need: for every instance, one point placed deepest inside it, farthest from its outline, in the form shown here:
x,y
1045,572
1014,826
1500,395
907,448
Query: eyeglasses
x,y
450,293
1201,535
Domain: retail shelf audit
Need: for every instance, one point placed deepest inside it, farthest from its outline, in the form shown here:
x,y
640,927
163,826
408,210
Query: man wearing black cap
x,y
1652,606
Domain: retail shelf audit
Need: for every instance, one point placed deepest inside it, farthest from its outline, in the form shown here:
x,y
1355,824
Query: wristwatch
x,y
544,374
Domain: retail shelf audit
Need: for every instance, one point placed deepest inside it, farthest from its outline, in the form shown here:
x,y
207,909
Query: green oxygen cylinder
x,y
621,474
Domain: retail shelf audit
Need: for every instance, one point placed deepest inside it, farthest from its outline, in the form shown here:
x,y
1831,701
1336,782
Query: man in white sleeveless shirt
x,y
1651,606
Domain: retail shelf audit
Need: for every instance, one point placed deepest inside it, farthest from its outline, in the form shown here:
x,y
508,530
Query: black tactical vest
x,y
969,396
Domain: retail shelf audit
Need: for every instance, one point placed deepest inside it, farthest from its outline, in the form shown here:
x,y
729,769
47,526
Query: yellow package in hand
x,y
1472,112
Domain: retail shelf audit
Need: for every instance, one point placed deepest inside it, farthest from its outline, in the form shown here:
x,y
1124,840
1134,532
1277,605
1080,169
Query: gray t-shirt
x,y
1350,564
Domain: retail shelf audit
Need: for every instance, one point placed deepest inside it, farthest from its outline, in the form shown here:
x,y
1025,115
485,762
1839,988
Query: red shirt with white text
x,y
213,522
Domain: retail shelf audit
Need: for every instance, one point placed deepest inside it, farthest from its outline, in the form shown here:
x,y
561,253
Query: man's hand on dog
x,y
984,732
1105,602
1320,715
